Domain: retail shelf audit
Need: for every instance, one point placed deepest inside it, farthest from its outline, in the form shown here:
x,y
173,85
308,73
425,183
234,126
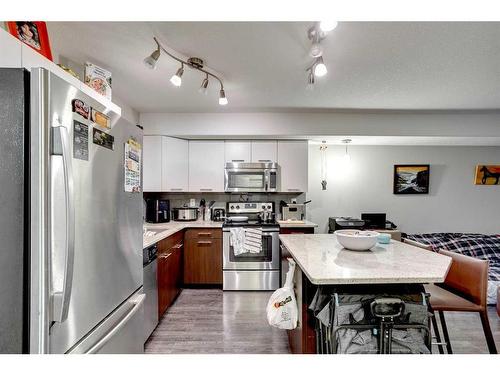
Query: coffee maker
x,y
157,210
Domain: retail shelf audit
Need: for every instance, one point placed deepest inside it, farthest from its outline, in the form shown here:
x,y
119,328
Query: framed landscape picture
x,y
487,175
411,178
33,34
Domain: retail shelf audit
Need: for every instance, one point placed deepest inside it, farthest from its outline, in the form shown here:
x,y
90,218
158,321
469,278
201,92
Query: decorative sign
x,y
487,175
132,166
80,141
99,79
33,34
103,139
100,119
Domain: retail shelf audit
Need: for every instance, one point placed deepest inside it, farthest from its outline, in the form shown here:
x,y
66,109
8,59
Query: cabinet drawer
x,y
194,234
168,243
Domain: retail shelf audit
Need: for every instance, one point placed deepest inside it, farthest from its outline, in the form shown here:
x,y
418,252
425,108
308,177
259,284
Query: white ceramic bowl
x,y
357,239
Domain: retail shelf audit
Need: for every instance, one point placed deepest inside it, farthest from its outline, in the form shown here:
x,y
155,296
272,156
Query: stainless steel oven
x,y
250,269
251,177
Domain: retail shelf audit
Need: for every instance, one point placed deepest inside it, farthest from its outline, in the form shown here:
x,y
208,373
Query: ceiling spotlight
x,y
176,79
152,59
204,86
327,26
310,81
320,67
222,97
316,50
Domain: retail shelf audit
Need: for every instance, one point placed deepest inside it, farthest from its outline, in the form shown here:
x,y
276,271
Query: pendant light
x,y
204,86
347,157
152,59
320,67
324,166
176,79
327,26
310,81
222,97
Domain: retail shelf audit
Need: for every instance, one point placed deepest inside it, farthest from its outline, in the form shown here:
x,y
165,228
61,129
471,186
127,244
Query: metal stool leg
x,y
487,332
445,332
436,332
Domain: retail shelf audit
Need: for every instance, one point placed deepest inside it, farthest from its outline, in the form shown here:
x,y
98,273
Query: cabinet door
x,y
202,260
151,163
237,151
293,160
206,166
264,151
175,164
11,50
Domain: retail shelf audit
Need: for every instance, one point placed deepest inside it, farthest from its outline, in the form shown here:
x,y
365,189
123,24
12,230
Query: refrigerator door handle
x,y
61,298
138,301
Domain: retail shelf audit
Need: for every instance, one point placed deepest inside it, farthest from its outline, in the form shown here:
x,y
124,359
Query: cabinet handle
x,y
204,234
178,246
165,256
293,189
264,160
176,189
206,189
204,242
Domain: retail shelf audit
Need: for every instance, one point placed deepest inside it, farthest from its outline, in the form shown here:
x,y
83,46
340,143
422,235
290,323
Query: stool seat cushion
x,y
444,300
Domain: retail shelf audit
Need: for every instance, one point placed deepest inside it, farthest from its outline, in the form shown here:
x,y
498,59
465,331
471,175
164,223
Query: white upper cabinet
x,y
237,151
293,160
152,163
206,166
10,51
264,151
175,164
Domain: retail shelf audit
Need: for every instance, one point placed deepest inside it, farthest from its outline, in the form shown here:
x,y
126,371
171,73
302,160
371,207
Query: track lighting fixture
x,y
316,34
152,59
319,67
222,97
327,26
310,81
192,62
204,86
176,79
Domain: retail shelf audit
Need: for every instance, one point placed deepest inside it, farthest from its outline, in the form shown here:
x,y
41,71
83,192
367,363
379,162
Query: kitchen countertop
x,y
294,224
167,229
325,261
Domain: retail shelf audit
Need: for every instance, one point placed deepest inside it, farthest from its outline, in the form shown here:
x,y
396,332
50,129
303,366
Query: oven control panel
x,y
249,207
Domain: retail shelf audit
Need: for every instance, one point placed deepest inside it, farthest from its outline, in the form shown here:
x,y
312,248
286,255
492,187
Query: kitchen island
x,y
321,260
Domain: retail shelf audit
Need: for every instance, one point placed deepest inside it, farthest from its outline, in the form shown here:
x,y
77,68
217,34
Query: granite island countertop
x,y
324,261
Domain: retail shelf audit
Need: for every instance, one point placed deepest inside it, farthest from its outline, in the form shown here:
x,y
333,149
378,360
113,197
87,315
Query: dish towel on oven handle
x,y
253,240
237,240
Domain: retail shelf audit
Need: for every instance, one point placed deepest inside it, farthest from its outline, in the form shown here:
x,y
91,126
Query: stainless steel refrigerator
x,y
70,220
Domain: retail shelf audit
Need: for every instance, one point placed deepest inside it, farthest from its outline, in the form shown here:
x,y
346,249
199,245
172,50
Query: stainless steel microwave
x,y
251,177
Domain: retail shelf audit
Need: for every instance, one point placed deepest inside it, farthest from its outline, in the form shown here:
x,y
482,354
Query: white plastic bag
x,y
282,309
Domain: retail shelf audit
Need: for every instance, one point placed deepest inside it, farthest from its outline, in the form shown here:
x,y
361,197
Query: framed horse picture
x,y
33,34
487,175
411,178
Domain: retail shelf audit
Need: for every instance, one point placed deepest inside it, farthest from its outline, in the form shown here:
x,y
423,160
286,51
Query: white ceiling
x,y
372,65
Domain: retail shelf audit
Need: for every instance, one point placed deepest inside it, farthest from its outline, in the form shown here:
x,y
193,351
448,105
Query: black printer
x,y
338,223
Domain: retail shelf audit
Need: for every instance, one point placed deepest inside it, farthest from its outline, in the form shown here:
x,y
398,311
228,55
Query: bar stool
x,y
465,290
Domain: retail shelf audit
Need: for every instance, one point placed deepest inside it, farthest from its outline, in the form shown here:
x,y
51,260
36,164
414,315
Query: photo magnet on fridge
x,y
78,106
103,139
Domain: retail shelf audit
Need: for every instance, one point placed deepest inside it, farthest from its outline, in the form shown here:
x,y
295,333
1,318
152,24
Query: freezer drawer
x,y
121,332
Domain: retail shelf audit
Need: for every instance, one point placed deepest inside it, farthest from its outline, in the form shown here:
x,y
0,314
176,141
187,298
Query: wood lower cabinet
x,y
169,271
203,256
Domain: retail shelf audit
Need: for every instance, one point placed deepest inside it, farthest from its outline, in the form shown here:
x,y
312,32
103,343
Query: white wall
x,y
320,124
454,203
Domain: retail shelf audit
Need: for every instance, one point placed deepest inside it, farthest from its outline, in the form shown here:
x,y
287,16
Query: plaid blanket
x,y
475,245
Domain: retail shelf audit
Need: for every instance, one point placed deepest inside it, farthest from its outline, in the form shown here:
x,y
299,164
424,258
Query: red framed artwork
x,y
33,34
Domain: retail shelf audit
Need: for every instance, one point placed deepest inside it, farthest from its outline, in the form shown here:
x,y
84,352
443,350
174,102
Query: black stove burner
x,y
250,223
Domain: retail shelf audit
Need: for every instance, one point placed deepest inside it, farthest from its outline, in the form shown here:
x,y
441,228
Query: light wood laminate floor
x,y
211,321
